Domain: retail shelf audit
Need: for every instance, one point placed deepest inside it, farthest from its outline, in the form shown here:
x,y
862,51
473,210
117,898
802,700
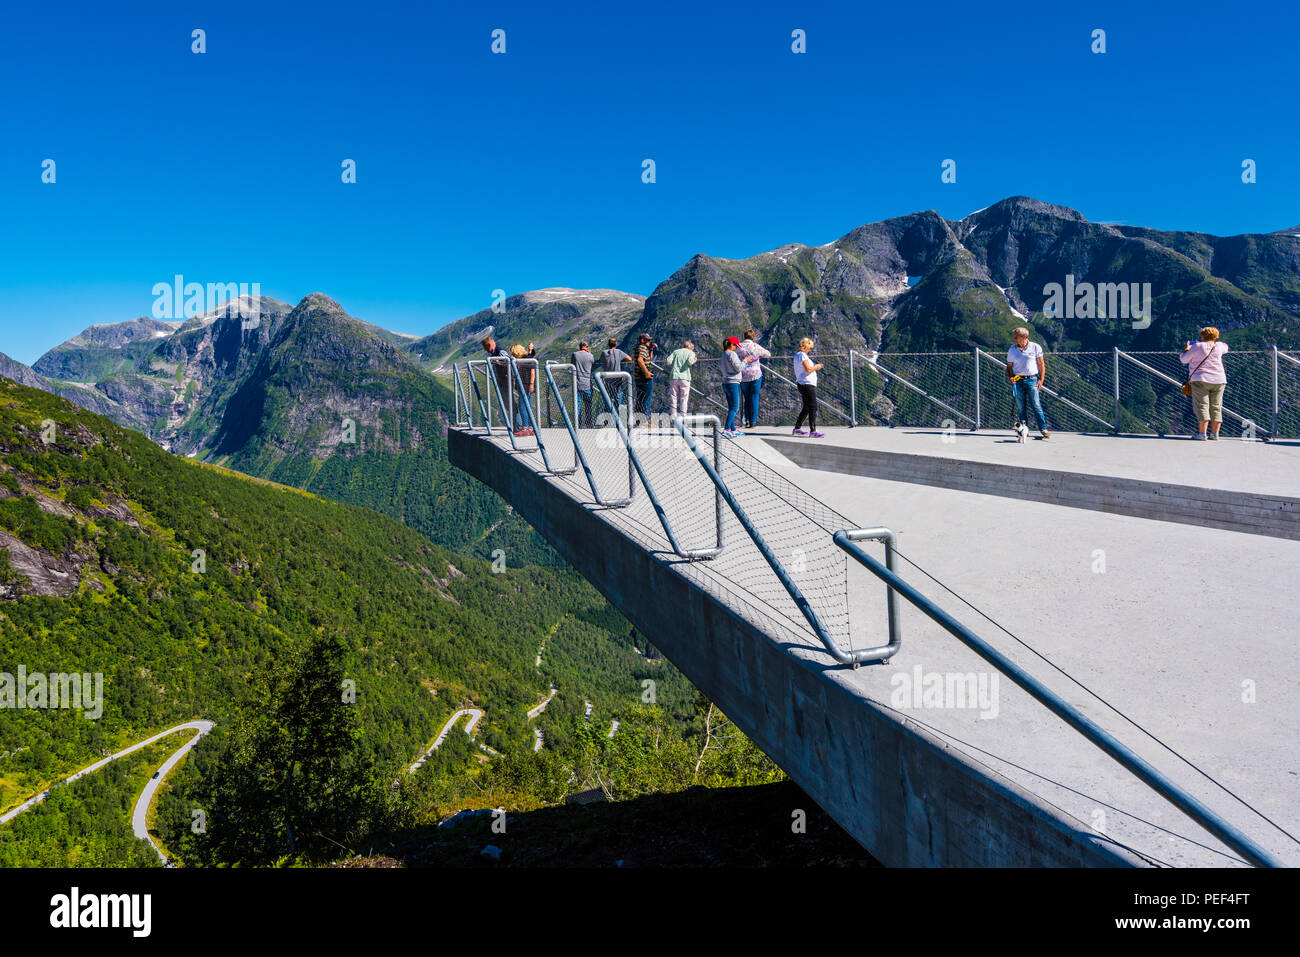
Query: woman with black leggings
x,y
805,374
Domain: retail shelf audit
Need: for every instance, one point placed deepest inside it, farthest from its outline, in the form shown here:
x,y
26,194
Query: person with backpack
x,y
751,377
1206,382
611,360
805,377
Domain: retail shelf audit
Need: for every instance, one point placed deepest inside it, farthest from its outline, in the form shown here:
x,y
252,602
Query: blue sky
x,y
519,171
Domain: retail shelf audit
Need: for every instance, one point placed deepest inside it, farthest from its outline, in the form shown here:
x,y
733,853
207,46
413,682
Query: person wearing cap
x,y
644,375
732,367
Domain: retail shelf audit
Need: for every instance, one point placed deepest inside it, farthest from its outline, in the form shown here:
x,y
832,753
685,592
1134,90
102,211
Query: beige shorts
x,y
1207,400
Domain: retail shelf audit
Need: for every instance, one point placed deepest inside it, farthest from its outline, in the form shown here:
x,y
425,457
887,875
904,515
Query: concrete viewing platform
x,y
1176,636
1230,484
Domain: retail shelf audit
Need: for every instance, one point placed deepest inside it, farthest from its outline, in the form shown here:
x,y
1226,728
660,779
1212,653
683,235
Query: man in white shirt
x,y
1026,371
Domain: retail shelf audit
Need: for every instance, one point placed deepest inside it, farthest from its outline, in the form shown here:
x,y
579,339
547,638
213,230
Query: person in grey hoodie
x,y
732,367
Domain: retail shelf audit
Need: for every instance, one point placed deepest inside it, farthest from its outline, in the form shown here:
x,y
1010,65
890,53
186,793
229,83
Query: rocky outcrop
x,y
41,573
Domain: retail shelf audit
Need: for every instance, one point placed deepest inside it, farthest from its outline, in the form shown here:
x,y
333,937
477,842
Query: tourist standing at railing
x,y
583,363
612,360
751,378
528,378
1027,371
498,360
805,378
732,368
1208,379
644,376
679,378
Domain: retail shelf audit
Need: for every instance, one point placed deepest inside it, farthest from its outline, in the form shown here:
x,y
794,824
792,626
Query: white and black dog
x,y
1022,432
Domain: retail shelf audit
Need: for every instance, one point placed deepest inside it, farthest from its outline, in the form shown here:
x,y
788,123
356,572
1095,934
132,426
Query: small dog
x,y
1022,432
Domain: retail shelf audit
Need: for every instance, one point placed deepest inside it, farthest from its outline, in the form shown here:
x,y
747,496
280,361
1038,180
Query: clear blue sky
x,y
477,171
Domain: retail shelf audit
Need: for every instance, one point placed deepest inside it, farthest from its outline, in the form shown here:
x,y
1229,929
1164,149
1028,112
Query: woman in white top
x,y
805,376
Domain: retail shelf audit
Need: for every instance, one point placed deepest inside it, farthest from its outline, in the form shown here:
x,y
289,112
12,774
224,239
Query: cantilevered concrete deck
x,y
1189,631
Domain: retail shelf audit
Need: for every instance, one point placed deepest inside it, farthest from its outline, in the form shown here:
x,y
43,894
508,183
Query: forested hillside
x,y
329,643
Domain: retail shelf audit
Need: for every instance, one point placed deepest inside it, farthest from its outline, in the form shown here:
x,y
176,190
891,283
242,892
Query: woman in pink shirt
x,y
1204,361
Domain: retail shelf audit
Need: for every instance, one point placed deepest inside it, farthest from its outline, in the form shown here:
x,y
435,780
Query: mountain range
x,y
273,396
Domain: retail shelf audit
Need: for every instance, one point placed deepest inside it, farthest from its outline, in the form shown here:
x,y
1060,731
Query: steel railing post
x,y
1115,372
978,417
1276,406
853,394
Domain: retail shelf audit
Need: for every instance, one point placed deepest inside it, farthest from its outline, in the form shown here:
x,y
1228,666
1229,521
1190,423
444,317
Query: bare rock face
x,y
45,574
118,511
52,506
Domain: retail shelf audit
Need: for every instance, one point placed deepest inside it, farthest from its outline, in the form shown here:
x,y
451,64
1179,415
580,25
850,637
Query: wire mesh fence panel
x,y
1288,393
796,528
1085,379
1249,391
833,393
563,393
997,402
945,378
1151,401
1163,407
941,387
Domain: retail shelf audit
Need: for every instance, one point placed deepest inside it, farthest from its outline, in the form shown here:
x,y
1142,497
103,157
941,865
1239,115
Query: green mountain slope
x,y
185,586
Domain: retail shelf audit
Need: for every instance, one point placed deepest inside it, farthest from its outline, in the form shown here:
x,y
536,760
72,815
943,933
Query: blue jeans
x,y
521,416
733,403
1026,393
584,410
645,390
615,396
749,393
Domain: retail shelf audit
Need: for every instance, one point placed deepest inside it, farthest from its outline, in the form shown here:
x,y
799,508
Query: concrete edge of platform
x,y
901,791
1275,516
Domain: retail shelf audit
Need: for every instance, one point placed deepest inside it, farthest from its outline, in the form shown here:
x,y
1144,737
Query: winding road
x,y
141,813
475,716
534,712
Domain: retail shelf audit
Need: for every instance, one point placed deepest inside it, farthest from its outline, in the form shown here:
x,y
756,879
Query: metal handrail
x,y
854,658
691,554
485,408
847,540
577,446
1053,393
458,397
1172,381
1203,816
507,415
532,420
